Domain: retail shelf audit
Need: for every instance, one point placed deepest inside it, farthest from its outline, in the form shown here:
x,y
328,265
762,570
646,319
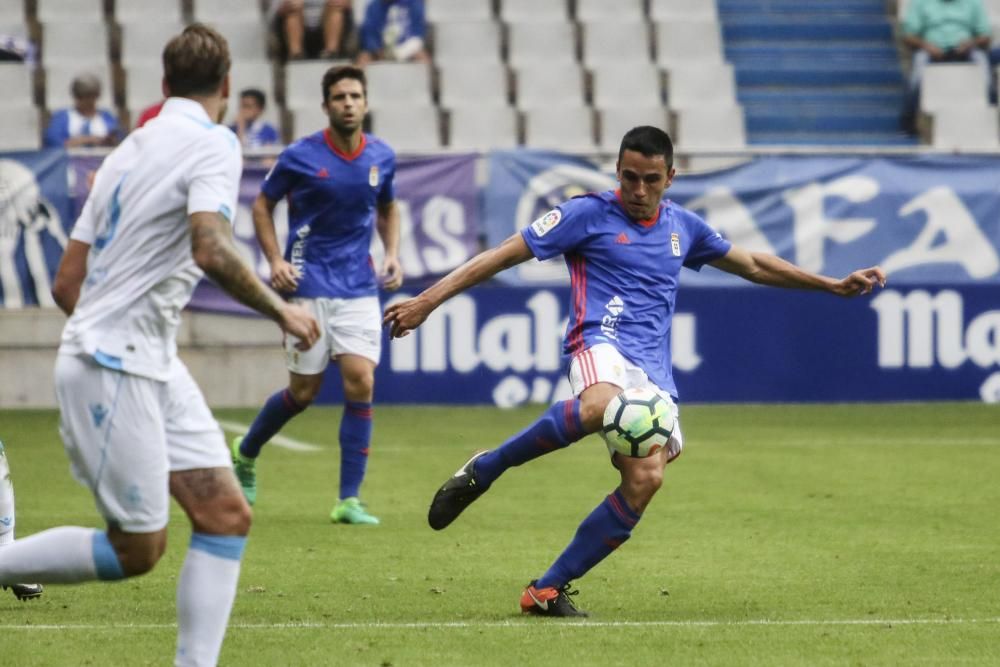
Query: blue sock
x,y
606,529
355,436
558,427
277,410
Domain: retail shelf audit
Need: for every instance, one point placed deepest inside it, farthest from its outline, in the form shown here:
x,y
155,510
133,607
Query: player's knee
x,y
305,394
641,485
359,385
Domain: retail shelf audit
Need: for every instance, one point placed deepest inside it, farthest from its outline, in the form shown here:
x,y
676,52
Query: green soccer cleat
x,y
246,471
352,511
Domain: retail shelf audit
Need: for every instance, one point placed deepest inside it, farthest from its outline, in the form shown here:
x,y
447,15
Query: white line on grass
x,y
279,440
522,624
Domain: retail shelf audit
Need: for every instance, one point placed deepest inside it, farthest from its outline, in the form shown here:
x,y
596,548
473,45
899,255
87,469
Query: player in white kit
x,y
134,423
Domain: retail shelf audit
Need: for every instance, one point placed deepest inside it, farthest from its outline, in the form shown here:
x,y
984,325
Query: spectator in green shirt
x,y
944,31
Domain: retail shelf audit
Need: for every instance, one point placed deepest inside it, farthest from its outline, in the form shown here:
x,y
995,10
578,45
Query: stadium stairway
x,y
818,72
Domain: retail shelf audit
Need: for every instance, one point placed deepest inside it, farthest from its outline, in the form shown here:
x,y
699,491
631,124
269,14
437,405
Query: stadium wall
x,y
934,333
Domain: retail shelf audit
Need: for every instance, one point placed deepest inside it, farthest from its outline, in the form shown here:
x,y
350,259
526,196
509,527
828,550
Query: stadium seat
x,y
144,42
143,86
444,11
680,43
628,11
701,84
142,11
17,85
58,79
541,43
398,84
533,11
20,129
67,43
464,85
482,128
304,82
616,121
408,130
69,10
467,42
549,86
210,11
308,119
606,43
561,128
709,128
247,39
683,10
960,127
13,13
614,85
952,84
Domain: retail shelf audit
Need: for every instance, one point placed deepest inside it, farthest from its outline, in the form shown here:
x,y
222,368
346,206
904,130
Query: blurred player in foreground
x,y
624,250
339,184
135,425
20,591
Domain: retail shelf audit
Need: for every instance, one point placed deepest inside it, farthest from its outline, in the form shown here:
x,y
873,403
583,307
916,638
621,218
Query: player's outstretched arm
x,y
70,276
213,251
387,224
767,269
407,315
284,276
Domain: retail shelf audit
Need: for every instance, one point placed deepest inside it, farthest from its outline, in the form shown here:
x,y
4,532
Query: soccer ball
x,y
638,422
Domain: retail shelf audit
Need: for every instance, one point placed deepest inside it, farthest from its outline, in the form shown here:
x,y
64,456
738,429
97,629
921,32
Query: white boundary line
x,y
279,440
764,622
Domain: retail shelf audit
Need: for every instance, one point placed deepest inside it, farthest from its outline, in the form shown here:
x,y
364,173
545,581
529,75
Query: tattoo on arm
x,y
213,250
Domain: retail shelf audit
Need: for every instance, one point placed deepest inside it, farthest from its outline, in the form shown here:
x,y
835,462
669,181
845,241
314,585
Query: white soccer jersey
x,y
140,272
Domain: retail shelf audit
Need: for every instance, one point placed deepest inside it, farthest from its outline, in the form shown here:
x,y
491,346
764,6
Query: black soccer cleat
x,y
25,591
550,602
457,493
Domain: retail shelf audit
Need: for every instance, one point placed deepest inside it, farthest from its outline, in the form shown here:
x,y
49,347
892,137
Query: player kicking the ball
x,y
628,246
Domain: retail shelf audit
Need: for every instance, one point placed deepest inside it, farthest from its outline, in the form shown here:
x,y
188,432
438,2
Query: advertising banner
x,y
35,218
438,204
502,346
928,219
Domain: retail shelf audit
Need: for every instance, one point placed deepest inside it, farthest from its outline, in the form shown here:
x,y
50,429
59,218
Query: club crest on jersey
x,y
373,176
675,243
546,222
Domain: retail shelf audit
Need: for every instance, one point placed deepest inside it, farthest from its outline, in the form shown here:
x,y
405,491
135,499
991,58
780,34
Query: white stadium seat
x,y
681,43
20,129
701,84
209,11
605,43
709,128
533,11
408,130
952,84
549,86
467,42
142,11
683,10
628,11
17,85
394,84
144,42
66,42
443,11
959,127
70,10
614,85
616,121
560,128
541,43
482,128
463,85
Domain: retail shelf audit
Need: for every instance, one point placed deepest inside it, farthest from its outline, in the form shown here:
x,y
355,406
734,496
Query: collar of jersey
x,y
645,223
186,107
347,156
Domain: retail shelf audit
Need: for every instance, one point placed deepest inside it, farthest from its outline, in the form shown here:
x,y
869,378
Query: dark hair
x,y
650,141
255,93
196,61
85,85
335,74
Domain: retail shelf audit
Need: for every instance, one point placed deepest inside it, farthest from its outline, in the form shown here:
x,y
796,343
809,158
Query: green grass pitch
x,y
805,535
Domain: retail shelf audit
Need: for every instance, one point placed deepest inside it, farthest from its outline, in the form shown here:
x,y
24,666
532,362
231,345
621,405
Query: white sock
x,y
206,589
64,555
6,502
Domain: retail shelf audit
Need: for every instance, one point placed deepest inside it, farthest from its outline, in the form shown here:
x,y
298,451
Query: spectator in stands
x,y
312,28
393,30
944,31
83,124
250,125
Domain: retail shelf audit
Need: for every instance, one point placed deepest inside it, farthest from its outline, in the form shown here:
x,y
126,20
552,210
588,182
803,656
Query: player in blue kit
x,y
624,250
339,186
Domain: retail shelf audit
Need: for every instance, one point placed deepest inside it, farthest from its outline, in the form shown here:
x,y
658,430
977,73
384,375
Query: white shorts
x,y
346,326
604,363
124,434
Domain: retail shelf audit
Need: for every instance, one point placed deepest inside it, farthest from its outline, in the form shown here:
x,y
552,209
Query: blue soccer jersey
x,y
332,199
624,274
